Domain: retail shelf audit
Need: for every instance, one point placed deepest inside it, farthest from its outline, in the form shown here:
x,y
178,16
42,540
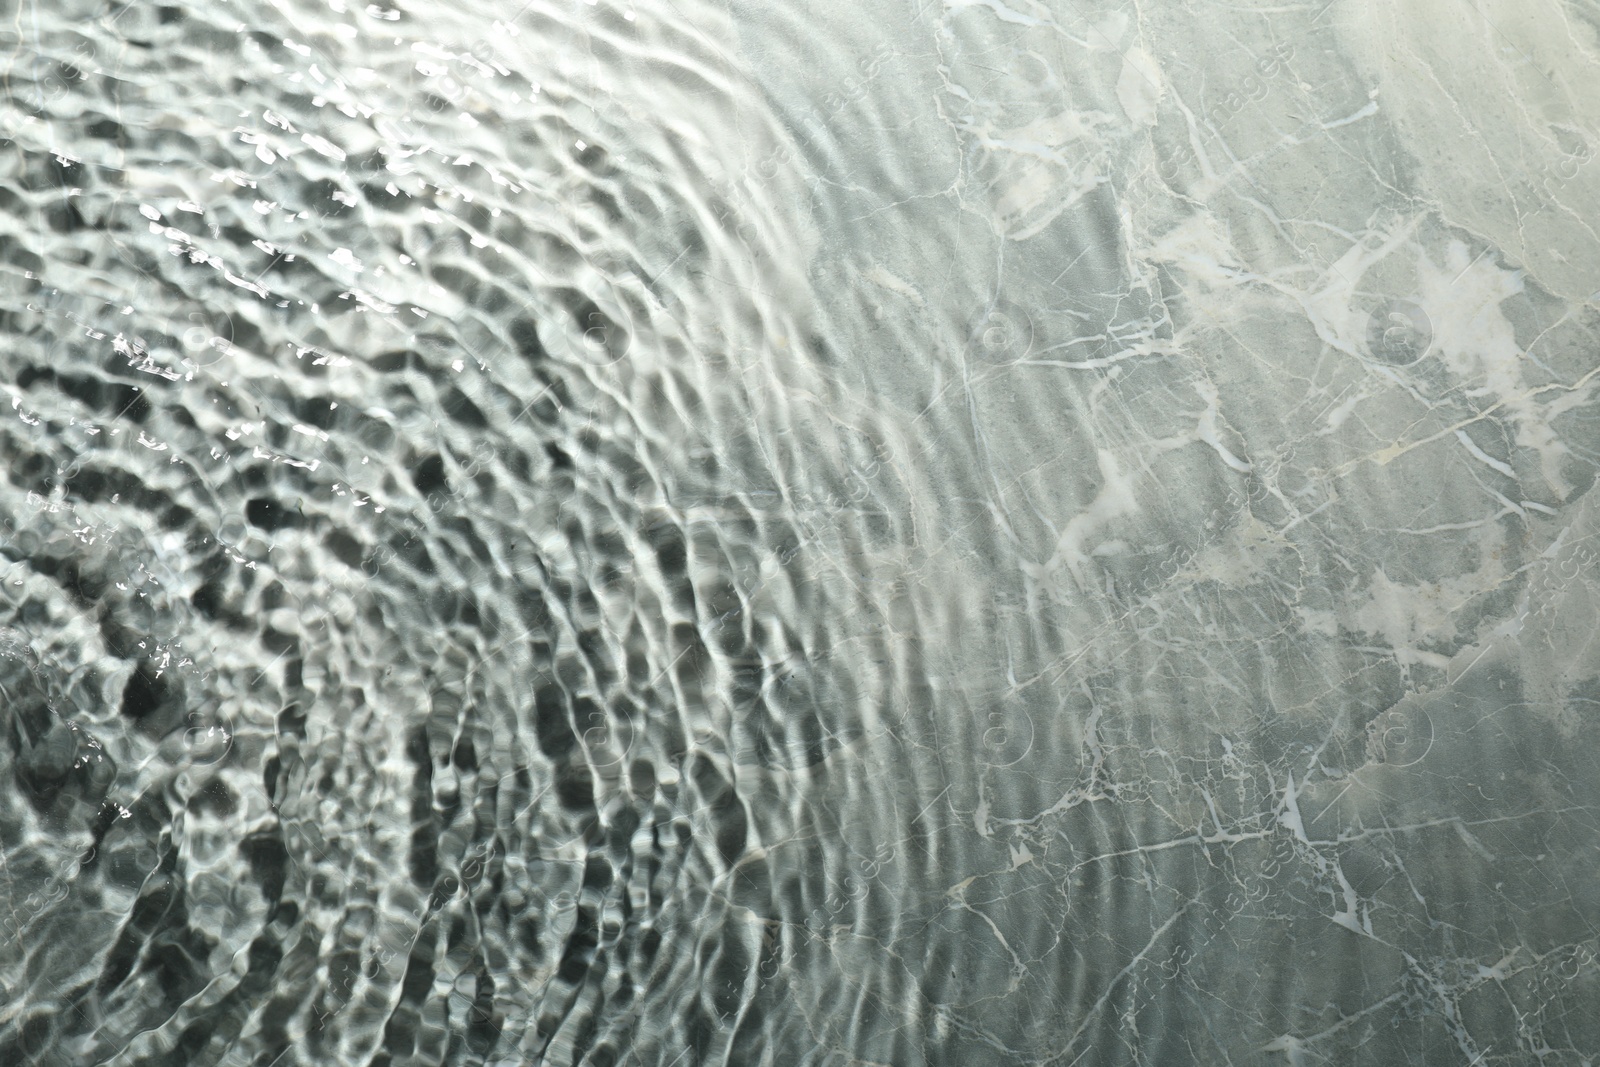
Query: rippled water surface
x,y
882,533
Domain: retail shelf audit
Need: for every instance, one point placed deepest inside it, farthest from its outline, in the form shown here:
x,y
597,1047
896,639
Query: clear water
x,y
828,534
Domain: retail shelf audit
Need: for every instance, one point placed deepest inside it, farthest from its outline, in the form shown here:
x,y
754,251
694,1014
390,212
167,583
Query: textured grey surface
x,y
798,534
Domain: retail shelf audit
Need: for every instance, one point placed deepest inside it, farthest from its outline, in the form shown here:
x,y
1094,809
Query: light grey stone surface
x,y
889,533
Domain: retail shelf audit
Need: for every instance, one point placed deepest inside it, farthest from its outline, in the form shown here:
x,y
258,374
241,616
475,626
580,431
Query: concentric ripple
x,y
683,533
419,621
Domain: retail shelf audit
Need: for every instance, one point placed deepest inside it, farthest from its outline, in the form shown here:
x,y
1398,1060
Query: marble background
x,y
1244,357
1157,438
